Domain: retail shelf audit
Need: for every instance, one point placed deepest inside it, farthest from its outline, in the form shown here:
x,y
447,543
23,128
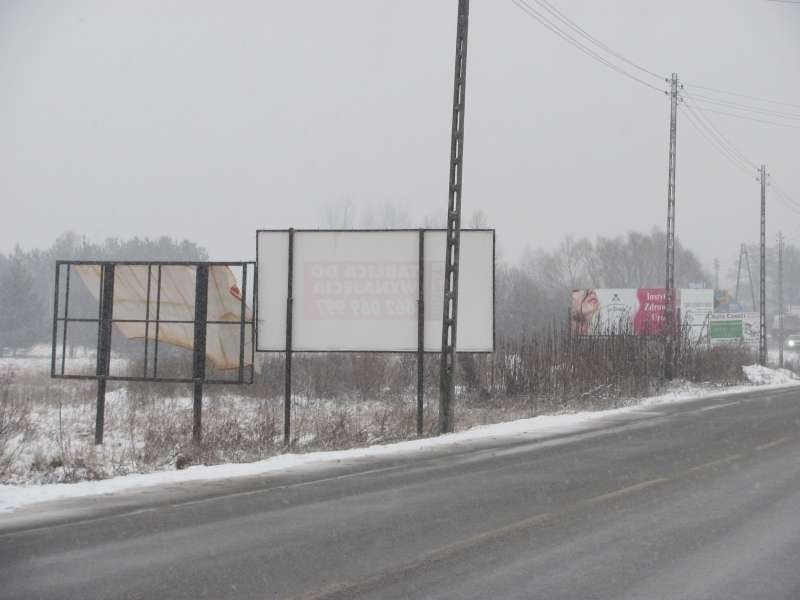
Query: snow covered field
x,y
15,496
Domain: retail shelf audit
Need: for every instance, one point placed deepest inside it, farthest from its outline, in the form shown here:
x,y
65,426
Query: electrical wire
x,y
738,95
533,13
782,194
746,107
696,124
745,111
585,34
792,207
714,130
738,116
706,128
555,21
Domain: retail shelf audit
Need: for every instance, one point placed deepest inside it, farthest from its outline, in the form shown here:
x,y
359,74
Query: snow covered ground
x,y
16,496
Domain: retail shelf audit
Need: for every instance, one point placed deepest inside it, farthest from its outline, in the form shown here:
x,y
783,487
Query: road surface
x,y
694,500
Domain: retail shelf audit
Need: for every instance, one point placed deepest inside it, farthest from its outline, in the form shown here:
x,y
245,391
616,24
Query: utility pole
x,y
450,309
669,288
762,342
780,299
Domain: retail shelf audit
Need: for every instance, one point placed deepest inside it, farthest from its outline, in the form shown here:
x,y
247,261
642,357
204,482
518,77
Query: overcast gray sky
x,y
208,120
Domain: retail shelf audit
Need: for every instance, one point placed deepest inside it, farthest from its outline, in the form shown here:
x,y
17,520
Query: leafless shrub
x,y
15,425
339,401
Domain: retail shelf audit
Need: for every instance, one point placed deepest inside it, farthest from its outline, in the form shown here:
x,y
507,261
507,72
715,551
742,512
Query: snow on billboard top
x,y
358,290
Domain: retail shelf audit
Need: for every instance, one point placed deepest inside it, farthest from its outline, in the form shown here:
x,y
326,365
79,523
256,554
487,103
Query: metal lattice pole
x,y
762,341
450,311
669,288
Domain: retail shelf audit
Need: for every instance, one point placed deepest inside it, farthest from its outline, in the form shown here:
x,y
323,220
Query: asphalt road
x,y
698,500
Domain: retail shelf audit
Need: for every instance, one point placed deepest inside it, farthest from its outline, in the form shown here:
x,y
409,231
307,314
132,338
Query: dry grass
x,y
341,401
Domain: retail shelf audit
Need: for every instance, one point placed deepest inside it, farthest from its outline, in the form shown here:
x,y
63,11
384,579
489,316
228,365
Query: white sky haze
x,y
208,120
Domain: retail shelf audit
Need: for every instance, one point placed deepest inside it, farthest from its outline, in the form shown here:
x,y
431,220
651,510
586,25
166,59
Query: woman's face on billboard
x,y
590,303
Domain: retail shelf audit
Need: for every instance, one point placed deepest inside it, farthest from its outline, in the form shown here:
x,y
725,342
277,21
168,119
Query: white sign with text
x,y
358,290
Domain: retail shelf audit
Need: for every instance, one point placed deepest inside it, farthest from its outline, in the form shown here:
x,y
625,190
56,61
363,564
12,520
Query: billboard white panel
x,y
734,328
358,290
696,307
475,291
273,276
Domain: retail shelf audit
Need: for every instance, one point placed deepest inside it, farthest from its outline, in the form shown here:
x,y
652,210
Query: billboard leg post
x,y
197,413
106,310
287,392
421,336
101,412
199,354
287,402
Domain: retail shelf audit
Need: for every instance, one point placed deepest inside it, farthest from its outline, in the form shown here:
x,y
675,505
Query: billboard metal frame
x,y
105,321
419,351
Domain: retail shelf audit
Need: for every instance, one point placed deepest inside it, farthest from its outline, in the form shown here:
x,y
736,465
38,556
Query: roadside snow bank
x,y
758,375
16,496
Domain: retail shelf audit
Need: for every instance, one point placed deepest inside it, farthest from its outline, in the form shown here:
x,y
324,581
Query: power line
x,y
750,112
730,153
792,207
746,107
724,140
785,197
695,114
706,128
697,125
582,32
758,98
533,13
738,116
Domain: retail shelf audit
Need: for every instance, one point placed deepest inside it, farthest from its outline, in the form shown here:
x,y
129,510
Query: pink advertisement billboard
x,y
605,311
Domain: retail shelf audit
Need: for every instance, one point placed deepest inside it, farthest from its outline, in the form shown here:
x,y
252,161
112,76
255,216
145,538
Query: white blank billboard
x,y
358,290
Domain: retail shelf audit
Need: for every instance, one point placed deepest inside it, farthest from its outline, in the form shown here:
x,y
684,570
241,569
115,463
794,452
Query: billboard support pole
x,y
55,322
762,341
199,354
421,334
287,381
106,310
452,243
